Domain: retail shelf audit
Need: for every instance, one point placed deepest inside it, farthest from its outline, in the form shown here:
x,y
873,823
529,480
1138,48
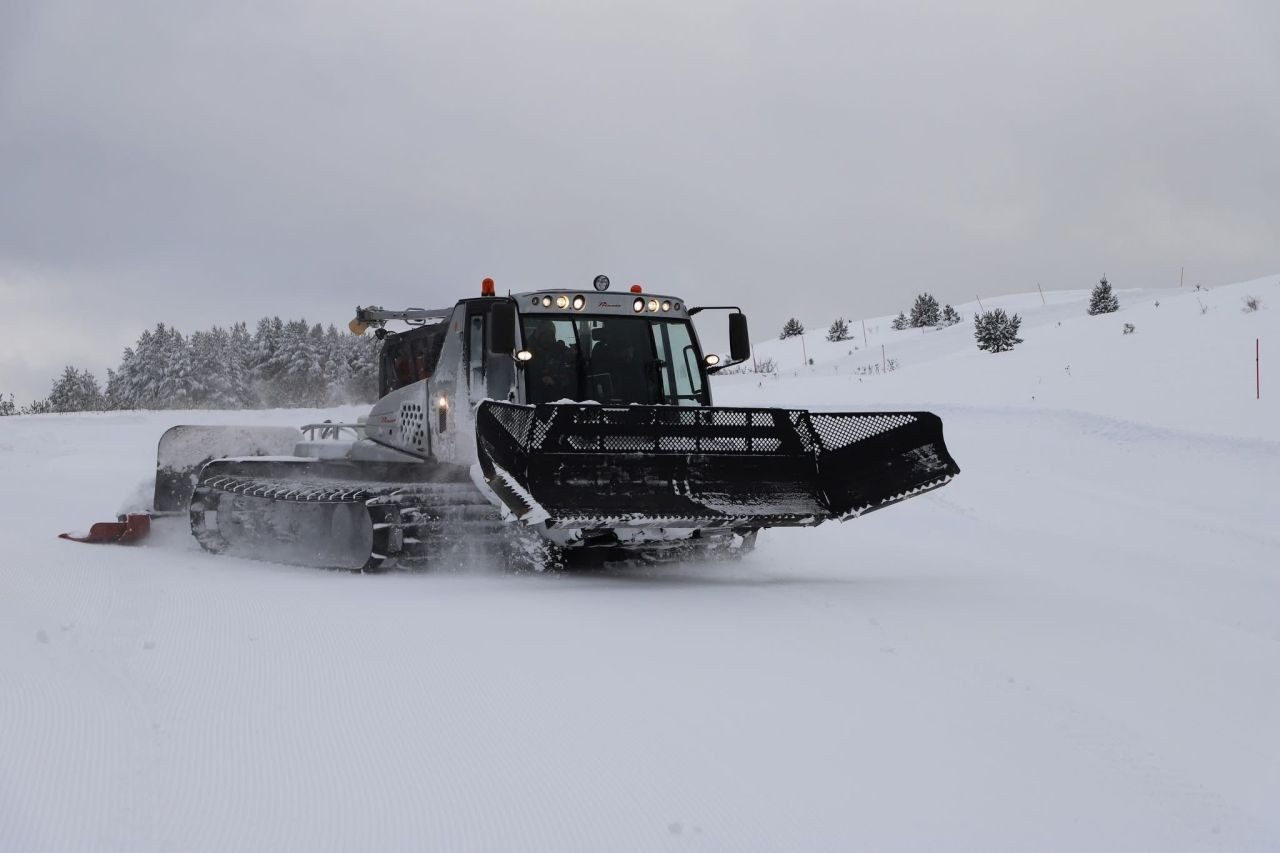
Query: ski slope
x,y
1075,645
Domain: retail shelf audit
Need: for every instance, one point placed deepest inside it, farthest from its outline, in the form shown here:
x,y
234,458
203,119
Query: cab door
x,y
680,370
490,376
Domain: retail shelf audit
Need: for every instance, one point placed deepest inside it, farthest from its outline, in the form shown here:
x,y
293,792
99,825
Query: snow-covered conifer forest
x,y
280,364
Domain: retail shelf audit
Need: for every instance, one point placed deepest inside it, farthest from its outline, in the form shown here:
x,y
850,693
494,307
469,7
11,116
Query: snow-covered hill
x,y
1075,645
1189,364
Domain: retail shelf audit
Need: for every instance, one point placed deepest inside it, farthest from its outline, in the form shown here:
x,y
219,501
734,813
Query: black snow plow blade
x,y
585,466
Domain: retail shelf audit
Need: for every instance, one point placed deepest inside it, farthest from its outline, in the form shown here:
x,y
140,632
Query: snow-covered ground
x,y
1075,645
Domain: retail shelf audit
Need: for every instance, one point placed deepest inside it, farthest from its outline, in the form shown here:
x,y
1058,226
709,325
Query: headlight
x,y
523,355
638,305
546,302
712,359
653,305
578,302
666,305
562,301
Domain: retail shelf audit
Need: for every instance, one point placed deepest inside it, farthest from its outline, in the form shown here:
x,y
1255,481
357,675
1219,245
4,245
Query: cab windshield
x,y
612,359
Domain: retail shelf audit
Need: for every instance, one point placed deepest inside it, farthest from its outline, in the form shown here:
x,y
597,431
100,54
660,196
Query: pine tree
x,y
262,360
121,381
111,397
6,406
996,331
239,375
362,361
156,377
1102,300
838,331
899,322
791,329
140,382
296,367
178,373
924,312
281,384
209,383
75,391
337,368
129,386
949,316
203,382
64,396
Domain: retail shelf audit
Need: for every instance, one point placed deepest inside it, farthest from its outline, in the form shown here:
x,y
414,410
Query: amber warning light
x,y
486,287
635,288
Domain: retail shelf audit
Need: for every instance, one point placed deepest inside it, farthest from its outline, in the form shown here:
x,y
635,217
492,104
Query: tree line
x,y
994,331
282,364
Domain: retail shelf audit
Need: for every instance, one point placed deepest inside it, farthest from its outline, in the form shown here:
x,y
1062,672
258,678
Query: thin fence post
x,y
1039,288
1181,272
882,359
1257,369
864,334
980,308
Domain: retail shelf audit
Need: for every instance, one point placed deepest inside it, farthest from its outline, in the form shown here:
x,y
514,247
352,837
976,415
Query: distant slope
x,y
1188,365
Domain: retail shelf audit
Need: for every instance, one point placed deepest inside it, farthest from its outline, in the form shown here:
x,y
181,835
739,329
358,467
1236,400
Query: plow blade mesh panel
x,y
577,465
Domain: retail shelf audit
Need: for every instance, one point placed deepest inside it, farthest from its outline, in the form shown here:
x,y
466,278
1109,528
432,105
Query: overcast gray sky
x,y
207,162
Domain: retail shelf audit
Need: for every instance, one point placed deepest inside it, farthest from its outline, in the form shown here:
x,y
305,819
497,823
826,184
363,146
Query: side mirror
x,y
500,328
739,339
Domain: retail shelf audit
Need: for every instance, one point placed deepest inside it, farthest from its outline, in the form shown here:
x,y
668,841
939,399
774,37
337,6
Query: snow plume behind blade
x,y
591,466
